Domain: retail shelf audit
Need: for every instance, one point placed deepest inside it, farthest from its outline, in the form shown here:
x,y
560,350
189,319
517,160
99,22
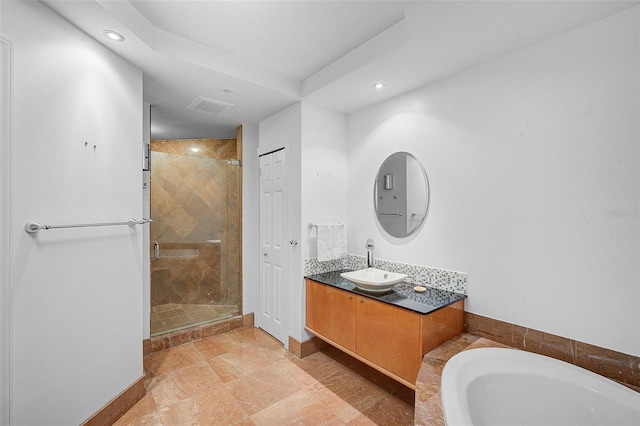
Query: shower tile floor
x,y
175,316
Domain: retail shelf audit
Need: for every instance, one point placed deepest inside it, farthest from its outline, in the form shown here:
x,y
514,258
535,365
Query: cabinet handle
x,y
350,297
361,300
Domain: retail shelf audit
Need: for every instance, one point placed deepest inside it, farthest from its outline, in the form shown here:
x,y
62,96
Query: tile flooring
x,y
246,377
176,316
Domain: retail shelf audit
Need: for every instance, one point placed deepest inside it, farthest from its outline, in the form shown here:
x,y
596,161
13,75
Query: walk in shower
x,y
195,233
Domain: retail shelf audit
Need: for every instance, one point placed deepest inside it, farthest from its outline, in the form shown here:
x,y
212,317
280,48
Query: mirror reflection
x,y
401,195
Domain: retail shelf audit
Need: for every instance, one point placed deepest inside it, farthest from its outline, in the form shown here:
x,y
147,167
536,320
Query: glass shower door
x,y
195,240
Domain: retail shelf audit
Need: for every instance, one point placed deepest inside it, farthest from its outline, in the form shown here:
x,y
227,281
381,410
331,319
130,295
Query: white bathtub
x,y
509,387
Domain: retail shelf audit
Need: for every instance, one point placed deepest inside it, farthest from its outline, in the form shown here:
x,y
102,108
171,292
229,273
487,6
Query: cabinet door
x,y
390,337
332,313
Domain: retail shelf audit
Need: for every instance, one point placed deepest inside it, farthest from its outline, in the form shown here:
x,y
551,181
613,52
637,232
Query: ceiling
x,y
262,56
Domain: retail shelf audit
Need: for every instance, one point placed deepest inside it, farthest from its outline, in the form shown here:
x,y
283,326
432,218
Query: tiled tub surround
x,y
428,411
615,365
422,275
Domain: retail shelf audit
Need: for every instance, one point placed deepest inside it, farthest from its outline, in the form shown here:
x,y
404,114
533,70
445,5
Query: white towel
x,y
339,234
332,242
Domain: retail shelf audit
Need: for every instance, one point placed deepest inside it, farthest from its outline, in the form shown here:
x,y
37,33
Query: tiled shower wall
x,y
196,210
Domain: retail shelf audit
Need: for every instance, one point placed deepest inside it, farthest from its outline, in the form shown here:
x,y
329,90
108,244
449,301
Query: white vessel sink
x,y
372,279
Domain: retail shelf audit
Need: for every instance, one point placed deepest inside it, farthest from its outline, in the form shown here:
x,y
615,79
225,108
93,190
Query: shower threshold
x,y
177,316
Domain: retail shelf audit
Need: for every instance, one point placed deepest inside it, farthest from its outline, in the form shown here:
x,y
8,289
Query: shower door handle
x,y
156,251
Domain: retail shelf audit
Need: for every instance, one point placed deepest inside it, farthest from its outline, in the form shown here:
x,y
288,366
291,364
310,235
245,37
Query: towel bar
x,y
33,227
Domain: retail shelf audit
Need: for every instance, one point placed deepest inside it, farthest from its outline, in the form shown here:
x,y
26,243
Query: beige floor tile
x,y
183,413
245,377
312,361
256,337
197,379
344,411
167,391
389,411
285,373
299,409
220,408
172,359
255,394
213,346
353,389
151,419
143,413
232,365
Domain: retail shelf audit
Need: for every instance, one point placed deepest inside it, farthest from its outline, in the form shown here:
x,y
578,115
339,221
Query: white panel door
x,y
274,246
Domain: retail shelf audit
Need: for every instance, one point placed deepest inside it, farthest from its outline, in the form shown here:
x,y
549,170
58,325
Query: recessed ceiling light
x,y
194,149
378,85
112,35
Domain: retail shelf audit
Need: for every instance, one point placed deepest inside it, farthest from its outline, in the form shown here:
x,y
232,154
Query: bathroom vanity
x,y
389,331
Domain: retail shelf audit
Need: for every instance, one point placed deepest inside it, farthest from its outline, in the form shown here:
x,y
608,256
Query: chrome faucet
x,y
369,246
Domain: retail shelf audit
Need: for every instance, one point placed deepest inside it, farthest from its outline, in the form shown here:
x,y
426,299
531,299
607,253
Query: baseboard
x,y
119,405
605,362
306,348
146,347
248,320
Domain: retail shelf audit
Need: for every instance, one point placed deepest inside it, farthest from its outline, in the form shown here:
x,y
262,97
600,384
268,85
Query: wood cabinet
x,y
332,312
389,338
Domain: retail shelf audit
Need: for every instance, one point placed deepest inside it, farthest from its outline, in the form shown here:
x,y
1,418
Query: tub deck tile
x,y
428,411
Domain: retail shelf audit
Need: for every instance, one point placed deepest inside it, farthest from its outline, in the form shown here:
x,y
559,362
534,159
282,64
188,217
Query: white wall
x,y
76,294
250,219
323,190
527,156
324,172
5,167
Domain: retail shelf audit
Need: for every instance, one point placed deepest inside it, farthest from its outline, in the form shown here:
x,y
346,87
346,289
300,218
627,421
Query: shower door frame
x,y
235,275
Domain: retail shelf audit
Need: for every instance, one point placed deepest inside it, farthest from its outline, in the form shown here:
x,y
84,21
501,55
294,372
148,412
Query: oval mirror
x,y
401,195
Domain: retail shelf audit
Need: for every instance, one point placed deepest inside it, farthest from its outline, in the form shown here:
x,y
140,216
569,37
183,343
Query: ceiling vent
x,y
209,105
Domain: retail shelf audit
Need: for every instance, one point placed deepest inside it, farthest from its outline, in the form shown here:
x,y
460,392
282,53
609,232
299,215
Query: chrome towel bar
x,y
33,227
313,225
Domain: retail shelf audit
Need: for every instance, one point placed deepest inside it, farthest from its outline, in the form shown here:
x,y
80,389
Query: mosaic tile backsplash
x,y
423,275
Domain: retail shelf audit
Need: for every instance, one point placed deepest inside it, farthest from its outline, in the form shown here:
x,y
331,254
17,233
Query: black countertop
x,y
402,294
